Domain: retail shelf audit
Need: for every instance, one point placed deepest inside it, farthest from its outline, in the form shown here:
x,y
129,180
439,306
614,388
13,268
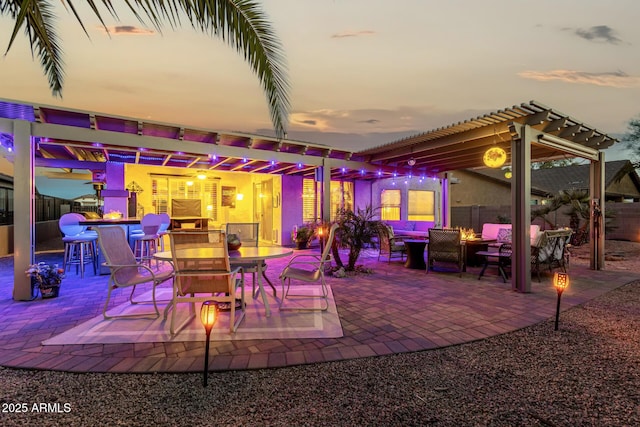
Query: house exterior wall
x,y
291,206
405,184
473,189
243,182
362,194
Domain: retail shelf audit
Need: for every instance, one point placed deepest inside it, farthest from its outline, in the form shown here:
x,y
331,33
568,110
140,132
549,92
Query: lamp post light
x,y
560,282
208,317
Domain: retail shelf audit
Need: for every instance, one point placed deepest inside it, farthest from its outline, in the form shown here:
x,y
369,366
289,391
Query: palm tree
x,y
241,23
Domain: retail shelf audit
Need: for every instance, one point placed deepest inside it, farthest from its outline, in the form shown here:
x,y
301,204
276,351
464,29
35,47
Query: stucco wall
x,y
404,185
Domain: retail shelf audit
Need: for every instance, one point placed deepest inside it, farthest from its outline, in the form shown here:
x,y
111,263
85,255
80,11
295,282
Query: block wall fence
x,y
625,218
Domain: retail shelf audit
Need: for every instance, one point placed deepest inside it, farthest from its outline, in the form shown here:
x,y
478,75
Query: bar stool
x,y
146,244
79,243
163,230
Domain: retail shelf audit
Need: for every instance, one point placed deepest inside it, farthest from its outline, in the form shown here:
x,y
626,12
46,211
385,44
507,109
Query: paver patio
x,y
392,310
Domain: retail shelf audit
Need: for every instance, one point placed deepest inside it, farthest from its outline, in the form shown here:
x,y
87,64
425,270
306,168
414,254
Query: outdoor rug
x,y
281,324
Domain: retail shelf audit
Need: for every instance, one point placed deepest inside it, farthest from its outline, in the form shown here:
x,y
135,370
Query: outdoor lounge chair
x,y
209,278
126,271
444,246
390,245
550,250
308,268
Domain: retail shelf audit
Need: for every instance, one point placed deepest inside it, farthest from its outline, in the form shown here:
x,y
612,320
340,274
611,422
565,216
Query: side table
x,y
415,254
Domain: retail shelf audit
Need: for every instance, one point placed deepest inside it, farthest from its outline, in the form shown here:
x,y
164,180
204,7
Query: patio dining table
x,y
244,254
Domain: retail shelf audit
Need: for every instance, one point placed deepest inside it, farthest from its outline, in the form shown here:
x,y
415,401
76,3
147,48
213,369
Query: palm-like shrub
x,y
355,230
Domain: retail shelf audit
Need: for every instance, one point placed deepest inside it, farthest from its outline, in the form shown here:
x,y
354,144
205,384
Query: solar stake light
x,y
560,282
208,317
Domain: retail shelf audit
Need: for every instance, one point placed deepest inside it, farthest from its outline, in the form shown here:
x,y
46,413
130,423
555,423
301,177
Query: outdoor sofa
x,y
411,229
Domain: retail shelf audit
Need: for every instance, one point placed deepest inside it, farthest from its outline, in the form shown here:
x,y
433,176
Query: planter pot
x,y
50,292
35,289
234,246
302,245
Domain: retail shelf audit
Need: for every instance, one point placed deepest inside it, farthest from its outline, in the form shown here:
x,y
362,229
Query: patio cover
x,y
48,136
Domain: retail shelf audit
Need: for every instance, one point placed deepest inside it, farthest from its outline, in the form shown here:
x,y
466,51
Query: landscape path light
x,y
560,282
208,317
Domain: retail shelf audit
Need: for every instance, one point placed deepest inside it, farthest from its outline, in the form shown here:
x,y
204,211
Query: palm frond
x,y
37,18
243,25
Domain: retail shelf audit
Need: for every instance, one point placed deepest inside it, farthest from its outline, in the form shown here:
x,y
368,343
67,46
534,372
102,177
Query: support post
x,y
446,200
326,190
597,217
521,207
23,203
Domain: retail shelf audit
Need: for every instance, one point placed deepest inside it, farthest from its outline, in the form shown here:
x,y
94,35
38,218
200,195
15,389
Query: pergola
x,y
55,137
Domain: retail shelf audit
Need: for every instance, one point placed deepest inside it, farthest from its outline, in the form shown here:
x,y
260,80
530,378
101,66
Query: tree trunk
x,y
336,254
353,257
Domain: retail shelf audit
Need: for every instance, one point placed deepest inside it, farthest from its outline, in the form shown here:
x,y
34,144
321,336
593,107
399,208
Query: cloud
x,y
128,30
352,34
611,79
599,33
367,121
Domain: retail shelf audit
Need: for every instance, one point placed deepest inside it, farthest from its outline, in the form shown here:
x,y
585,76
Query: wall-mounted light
x,y
239,196
494,157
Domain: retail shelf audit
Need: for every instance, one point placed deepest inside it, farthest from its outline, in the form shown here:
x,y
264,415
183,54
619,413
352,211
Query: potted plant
x,y
303,235
47,278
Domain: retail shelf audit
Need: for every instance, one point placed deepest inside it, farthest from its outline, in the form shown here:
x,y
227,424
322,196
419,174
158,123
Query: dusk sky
x,y
362,72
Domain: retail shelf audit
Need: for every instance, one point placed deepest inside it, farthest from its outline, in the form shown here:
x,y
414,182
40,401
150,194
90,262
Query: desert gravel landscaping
x,y
585,374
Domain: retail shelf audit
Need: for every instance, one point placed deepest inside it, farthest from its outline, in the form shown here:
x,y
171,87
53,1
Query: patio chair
x,y
550,250
126,271
390,244
308,268
248,233
209,278
445,246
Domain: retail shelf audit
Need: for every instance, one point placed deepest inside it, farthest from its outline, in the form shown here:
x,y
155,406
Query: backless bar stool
x,y
146,244
79,244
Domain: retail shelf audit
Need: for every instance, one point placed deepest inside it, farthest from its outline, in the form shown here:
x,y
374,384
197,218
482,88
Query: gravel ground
x,y
585,374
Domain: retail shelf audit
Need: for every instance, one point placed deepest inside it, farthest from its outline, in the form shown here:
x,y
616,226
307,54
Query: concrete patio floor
x,y
392,310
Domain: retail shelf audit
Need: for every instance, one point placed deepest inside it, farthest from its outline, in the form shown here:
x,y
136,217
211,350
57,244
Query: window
x,y
341,197
166,189
310,201
421,205
390,205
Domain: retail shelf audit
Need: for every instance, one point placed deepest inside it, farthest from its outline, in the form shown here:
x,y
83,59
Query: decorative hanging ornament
x,y
494,157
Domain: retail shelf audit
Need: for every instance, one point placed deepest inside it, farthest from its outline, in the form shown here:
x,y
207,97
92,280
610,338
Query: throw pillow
x,y
504,235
